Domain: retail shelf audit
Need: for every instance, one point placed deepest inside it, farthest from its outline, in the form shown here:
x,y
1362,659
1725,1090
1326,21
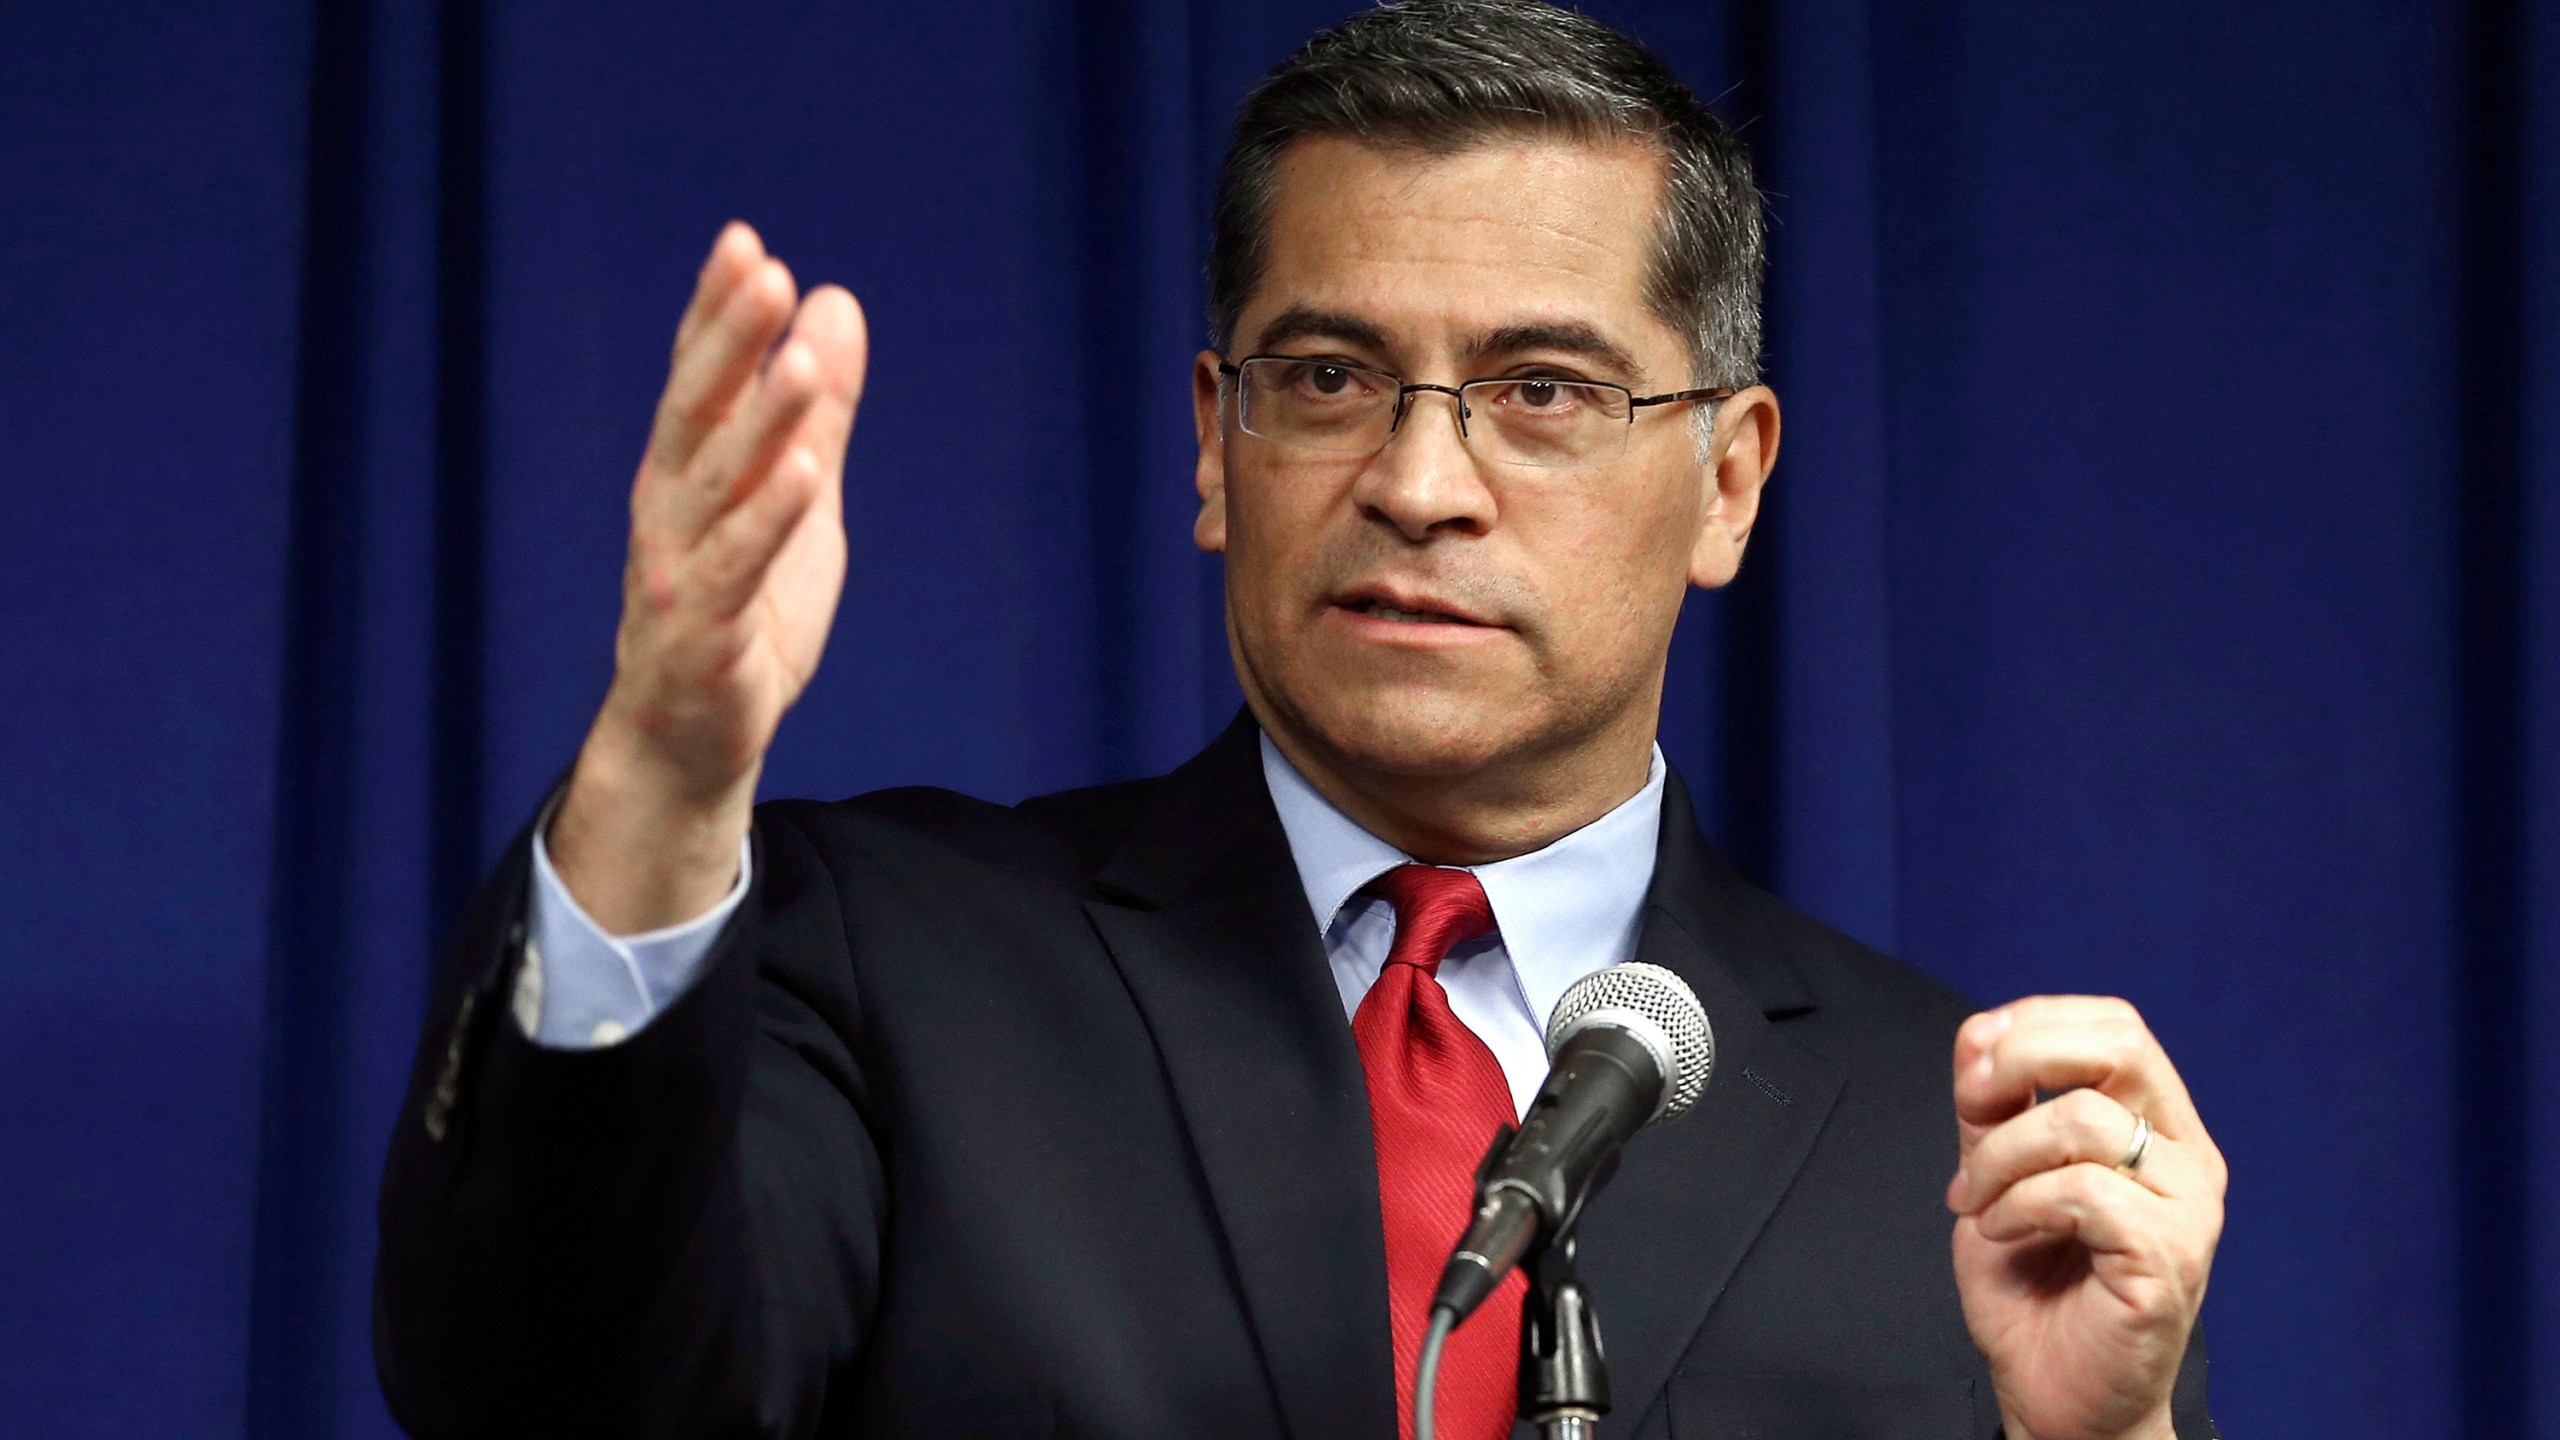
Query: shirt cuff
x,y
582,989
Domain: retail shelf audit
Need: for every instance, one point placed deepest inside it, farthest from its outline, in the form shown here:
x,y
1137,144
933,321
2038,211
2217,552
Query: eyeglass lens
x,y
1348,410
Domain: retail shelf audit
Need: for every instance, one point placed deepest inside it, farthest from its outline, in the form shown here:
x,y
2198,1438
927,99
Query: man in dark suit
x,y
1143,1111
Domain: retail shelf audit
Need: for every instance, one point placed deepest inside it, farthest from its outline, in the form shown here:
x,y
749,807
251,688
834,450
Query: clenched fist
x,y
737,561
2086,1224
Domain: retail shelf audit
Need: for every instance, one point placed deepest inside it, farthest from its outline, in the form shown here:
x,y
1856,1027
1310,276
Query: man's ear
x,y
1209,476
1739,458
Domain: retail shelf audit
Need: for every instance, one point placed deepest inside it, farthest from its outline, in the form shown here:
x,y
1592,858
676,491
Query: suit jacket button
x,y
439,1112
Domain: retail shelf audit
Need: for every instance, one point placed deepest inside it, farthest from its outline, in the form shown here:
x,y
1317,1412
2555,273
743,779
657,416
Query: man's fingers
x,y
806,396
831,329
2086,1223
2091,1204
766,421
2081,1126
832,324
734,556
734,254
720,362
2005,1057
793,451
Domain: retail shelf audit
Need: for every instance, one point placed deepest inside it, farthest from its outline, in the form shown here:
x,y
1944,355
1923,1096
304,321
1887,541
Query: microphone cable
x,y
1426,1373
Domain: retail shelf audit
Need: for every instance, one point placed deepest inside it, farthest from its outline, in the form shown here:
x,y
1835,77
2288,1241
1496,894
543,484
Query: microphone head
x,y
1656,1007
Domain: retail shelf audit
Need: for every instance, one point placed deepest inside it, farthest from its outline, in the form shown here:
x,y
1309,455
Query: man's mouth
x,y
1382,611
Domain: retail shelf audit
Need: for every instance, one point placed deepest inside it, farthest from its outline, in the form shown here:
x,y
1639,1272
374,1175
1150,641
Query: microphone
x,y
1627,1046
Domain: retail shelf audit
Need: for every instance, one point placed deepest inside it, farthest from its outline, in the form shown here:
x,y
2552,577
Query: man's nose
x,y
1425,480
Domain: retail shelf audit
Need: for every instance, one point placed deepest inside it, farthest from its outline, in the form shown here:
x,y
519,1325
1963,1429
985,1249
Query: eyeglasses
x,y
1534,420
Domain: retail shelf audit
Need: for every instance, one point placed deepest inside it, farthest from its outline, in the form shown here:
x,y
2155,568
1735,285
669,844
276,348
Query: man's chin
x,y
1419,736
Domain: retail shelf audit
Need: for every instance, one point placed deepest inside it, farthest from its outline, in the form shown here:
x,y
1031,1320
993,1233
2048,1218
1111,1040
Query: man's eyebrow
x,y
1570,336
1299,322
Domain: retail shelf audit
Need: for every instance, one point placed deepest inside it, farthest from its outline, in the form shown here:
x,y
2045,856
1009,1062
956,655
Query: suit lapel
x,y
1659,1243
1203,914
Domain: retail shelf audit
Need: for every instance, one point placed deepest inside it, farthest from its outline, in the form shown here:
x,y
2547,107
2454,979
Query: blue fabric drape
x,y
2161,592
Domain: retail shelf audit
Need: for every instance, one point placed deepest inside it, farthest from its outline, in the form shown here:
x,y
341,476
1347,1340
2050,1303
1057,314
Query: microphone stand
x,y
1564,1382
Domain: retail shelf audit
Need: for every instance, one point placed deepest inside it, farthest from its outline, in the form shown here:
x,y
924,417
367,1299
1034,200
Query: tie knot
x,y
1436,911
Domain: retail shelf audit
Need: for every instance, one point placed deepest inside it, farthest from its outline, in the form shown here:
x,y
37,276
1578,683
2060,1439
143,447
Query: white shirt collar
x,y
1563,911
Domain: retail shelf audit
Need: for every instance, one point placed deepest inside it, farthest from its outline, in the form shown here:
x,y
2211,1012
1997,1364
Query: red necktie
x,y
1436,1095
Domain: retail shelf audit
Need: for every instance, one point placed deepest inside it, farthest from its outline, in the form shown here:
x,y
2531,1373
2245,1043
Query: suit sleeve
x,y
675,1235
2187,1409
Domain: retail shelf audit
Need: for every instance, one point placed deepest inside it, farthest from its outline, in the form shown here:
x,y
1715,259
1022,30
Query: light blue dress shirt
x,y
1559,914
579,987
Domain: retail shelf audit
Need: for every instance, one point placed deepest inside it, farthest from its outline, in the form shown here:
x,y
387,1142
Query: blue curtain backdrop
x,y
2161,594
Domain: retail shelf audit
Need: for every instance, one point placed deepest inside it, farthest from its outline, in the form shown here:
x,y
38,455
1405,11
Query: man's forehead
x,y
1562,335
1463,243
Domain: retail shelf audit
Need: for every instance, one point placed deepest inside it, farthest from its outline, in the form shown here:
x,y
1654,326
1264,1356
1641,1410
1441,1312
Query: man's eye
x,y
1539,397
1328,379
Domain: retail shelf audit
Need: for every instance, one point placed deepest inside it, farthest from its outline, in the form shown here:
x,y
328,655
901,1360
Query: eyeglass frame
x,y
1406,388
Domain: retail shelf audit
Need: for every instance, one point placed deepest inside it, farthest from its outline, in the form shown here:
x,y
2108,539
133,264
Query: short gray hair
x,y
1446,75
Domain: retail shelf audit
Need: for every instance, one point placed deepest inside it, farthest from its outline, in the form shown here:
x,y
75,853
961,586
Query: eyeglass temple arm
x,y
1675,395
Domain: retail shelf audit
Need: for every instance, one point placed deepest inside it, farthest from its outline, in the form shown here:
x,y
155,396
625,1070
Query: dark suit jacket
x,y
1047,1121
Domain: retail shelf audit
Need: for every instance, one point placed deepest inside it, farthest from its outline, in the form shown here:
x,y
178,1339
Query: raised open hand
x,y
736,564
2081,1274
